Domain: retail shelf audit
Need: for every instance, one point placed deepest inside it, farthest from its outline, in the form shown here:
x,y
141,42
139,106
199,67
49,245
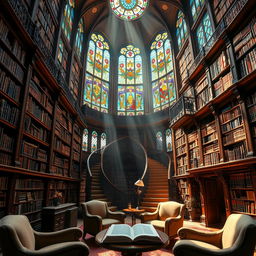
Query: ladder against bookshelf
x,y
242,192
180,152
233,133
244,45
28,199
210,144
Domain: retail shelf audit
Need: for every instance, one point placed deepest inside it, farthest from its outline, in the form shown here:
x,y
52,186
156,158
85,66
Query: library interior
x,y
127,111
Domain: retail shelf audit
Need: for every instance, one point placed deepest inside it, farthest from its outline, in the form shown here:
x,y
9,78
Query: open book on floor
x,y
139,233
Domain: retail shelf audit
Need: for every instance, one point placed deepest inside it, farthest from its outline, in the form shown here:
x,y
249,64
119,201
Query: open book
x,y
139,233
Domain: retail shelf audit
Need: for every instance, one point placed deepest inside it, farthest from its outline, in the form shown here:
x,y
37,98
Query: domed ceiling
x,y
158,16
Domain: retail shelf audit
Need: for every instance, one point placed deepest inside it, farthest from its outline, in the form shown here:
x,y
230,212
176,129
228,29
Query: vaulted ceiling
x,y
159,15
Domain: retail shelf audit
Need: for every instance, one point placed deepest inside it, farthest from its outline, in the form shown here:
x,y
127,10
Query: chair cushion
x,y
57,246
107,222
96,207
23,229
169,209
198,244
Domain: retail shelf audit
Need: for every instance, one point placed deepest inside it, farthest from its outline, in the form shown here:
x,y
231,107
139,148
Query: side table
x,y
133,212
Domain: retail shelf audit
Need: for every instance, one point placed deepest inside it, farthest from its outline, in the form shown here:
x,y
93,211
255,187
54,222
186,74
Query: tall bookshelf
x,y
220,8
77,149
193,147
74,81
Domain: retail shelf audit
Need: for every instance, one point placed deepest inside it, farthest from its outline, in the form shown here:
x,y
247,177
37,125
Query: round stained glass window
x,y
128,9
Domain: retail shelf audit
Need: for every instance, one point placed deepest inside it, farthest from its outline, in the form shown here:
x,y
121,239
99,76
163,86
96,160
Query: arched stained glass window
x,y
128,9
163,85
196,6
168,136
94,141
181,29
85,140
79,38
67,22
96,93
204,31
103,140
130,82
159,141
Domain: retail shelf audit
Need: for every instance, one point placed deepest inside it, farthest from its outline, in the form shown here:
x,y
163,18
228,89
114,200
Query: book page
x,y
118,233
145,232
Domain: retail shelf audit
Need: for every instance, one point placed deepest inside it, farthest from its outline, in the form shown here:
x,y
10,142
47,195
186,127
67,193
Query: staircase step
x,y
156,199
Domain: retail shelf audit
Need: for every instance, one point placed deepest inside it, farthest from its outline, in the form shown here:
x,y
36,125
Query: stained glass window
x,y
181,29
163,84
159,141
168,136
130,80
85,140
67,22
94,141
96,93
204,31
196,6
79,38
128,9
103,140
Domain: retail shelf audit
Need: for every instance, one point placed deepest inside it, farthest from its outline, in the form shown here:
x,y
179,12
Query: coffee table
x,y
133,212
132,249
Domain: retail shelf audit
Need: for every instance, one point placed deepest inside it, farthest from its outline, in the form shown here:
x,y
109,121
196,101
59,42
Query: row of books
x,y
62,132
178,133
2,199
182,170
9,112
38,112
29,184
234,123
251,99
75,171
34,165
11,65
222,84
248,63
6,141
76,147
185,63
180,141
243,206
59,170
60,161
203,97
220,8
219,65
8,86
208,128
193,144
236,151
3,183
181,161
209,138
242,194
76,156
234,136
58,185
36,130
230,113
240,180
194,158
212,158
5,158
40,96
61,147
180,150
201,84
9,39
213,147
63,118
32,150
28,196
28,207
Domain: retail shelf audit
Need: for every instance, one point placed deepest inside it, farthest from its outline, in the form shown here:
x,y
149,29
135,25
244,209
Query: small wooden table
x,y
132,249
133,212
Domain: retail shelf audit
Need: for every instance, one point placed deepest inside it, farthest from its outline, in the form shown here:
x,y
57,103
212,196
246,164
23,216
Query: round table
x,y
132,249
133,212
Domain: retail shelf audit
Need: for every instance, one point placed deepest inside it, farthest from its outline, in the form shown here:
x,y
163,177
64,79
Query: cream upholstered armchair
x,y
17,238
237,238
97,216
168,217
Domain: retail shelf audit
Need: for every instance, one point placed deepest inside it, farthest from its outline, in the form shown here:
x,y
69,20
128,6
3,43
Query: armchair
x,y
236,238
168,217
97,216
18,238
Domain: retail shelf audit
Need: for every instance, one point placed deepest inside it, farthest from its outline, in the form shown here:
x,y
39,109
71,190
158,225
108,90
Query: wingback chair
x,y
236,238
168,217
97,216
17,238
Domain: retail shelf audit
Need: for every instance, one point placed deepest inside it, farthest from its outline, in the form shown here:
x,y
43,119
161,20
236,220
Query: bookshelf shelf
x,y
36,139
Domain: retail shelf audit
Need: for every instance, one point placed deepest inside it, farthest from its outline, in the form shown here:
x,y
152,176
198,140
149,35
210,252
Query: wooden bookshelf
x,y
251,108
193,147
3,195
244,46
242,192
233,133
74,81
220,8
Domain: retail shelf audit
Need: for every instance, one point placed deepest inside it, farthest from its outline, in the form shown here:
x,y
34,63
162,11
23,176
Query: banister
x,y
88,161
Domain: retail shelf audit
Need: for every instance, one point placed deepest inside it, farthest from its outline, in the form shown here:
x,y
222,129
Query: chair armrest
x,y
43,239
146,216
116,215
213,238
74,249
172,225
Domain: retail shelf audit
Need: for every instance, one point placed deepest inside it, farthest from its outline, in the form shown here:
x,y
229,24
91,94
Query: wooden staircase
x,y
157,188
96,188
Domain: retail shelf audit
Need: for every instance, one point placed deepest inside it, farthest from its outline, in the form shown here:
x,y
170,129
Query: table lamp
x,y
139,184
